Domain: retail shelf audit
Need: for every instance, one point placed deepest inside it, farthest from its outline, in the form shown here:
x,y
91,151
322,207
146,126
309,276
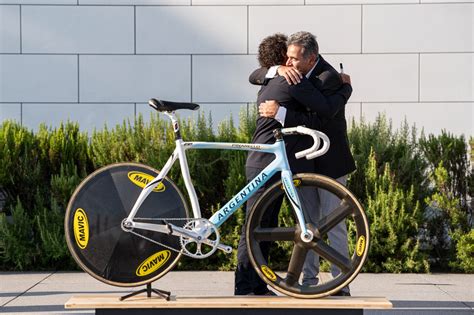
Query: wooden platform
x,y
230,305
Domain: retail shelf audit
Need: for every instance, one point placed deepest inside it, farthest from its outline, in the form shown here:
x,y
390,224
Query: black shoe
x,y
267,293
341,293
241,294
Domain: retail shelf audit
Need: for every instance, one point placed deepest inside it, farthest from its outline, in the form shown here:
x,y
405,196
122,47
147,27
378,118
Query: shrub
x,y
19,247
21,170
393,214
444,222
465,253
452,152
398,148
392,181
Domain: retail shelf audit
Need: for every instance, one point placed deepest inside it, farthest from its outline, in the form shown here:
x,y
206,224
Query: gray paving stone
x,y
12,284
411,294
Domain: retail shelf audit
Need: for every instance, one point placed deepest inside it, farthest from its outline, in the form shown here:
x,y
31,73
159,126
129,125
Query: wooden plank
x,y
223,302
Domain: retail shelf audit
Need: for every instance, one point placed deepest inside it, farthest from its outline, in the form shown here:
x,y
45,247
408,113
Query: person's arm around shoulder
x,y
318,105
257,77
291,74
331,81
314,101
262,75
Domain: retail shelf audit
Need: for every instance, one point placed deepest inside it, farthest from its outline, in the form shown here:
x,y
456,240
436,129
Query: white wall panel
x,y
418,28
77,29
248,2
359,1
380,78
33,78
447,77
353,111
89,116
457,118
136,2
337,28
134,78
398,53
445,1
219,113
37,2
146,111
10,29
223,79
11,111
192,29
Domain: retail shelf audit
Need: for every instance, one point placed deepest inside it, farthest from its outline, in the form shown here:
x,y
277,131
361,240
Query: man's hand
x,y
345,78
291,75
268,109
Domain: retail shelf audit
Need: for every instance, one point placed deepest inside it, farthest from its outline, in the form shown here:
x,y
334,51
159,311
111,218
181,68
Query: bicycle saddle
x,y
166,106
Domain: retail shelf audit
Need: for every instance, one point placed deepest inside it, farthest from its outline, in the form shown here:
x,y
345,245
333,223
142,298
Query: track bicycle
x,y
128,224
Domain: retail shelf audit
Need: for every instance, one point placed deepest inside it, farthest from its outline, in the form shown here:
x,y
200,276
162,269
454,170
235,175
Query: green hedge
x,y
415,189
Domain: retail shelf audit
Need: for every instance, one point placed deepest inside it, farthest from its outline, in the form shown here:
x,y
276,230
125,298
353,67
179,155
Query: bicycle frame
x,y
280,163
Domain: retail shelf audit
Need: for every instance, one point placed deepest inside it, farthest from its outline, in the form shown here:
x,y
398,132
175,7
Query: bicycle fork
x,y
290,190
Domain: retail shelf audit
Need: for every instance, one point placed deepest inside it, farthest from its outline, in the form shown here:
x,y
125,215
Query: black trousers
x,y
246,278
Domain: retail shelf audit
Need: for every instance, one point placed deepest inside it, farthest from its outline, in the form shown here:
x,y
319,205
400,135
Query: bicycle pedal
x,y
226,249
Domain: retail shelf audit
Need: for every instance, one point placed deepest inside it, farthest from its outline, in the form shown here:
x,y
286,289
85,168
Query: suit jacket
x,y
329,117
299,100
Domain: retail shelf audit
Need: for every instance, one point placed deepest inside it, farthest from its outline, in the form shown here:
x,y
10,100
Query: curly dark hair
x,y
272,50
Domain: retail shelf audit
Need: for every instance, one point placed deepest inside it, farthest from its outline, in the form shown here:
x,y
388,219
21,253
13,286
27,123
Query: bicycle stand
x,y
161,293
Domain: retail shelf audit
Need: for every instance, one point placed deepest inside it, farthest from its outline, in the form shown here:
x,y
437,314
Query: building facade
x,y
99,61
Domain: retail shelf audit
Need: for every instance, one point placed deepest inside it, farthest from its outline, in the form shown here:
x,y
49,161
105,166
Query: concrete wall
x,y
99,61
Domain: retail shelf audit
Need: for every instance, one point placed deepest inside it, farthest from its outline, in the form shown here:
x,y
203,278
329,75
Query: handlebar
x,y
317,136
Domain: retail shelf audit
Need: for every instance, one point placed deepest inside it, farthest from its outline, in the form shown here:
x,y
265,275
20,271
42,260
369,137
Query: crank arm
x,y
225,248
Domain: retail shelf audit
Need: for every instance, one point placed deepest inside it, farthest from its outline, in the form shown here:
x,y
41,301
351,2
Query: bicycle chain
x,y
158,243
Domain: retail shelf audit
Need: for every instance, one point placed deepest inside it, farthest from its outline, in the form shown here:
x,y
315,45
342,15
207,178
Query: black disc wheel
x,y
278,253
93,225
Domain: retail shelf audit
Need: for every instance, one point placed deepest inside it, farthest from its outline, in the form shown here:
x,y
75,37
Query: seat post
x,y
175,123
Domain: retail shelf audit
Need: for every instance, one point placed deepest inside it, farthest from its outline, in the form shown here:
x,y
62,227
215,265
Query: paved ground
x,y
418,294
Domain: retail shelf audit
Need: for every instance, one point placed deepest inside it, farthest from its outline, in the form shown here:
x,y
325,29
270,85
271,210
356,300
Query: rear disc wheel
x,y
93,225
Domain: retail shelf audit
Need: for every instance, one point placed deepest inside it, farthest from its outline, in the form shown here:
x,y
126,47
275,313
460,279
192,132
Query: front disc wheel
x,y
283,268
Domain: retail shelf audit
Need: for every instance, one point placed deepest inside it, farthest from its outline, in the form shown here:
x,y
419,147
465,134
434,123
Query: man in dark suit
x,y
303,54
299,100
